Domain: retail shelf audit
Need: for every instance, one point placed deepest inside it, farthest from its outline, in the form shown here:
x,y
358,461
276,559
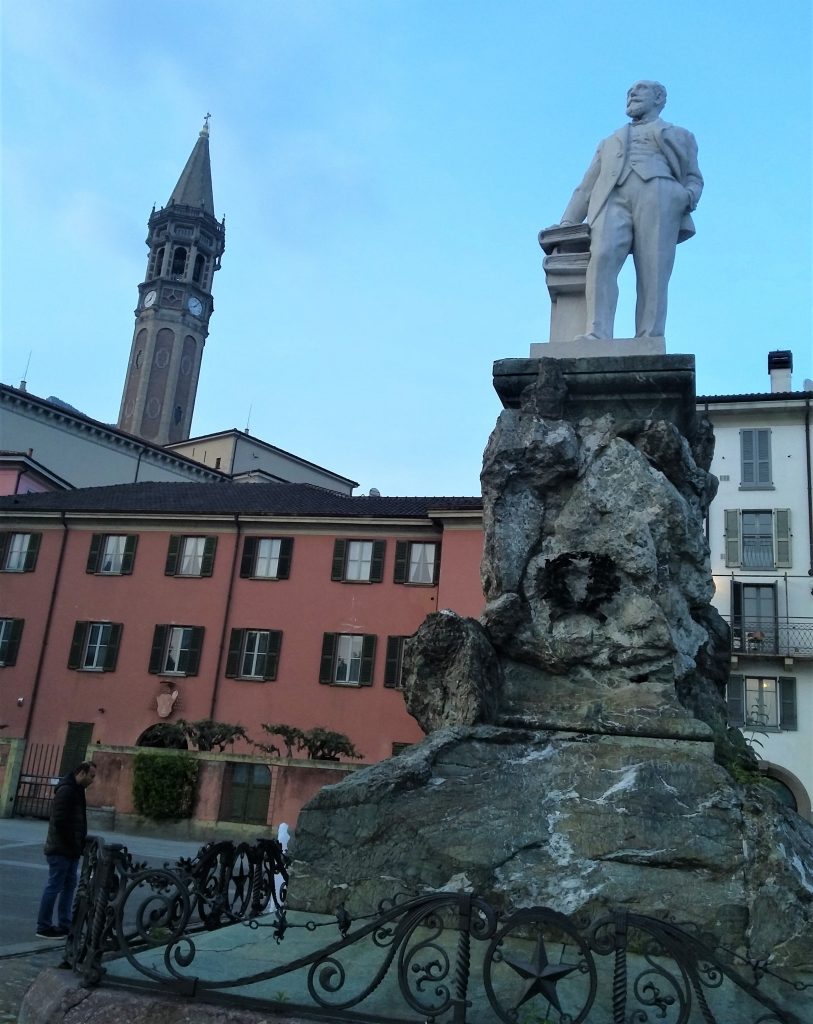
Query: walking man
x,y
67,829
637,196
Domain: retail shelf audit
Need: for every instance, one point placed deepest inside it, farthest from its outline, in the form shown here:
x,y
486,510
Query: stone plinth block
x,y
645,386
591,348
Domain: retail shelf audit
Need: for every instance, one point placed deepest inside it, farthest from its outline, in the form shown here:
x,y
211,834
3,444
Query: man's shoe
x,y
48,931
60,931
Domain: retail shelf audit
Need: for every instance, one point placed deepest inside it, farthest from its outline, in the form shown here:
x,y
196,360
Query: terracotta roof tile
x,y
283,499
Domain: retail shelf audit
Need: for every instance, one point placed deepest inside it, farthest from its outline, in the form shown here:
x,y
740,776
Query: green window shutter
x,y
735,698
159,643
328,654
233,658
367,661
787,703
377,563
95,552
113,642
339,551
782,535
208,560
77,645
747,470
763,457
12,646
195,645
128,558
3,547
732,536
171,568
272,658
399,574
436,573
32,551
392,664
249,558
736,615
286,548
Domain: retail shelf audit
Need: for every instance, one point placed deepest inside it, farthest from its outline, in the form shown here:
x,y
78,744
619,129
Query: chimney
x,y
780,367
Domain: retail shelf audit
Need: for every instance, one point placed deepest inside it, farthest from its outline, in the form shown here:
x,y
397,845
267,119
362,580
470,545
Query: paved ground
x,y
23,872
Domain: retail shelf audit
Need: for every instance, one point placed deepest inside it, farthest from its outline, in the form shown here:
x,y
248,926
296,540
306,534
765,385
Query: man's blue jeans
x,y
61,884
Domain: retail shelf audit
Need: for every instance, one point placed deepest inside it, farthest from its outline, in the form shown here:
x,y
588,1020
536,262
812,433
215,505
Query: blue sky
x,y
384,167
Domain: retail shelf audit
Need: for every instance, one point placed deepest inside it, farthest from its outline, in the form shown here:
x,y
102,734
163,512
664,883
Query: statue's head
x,y
645,97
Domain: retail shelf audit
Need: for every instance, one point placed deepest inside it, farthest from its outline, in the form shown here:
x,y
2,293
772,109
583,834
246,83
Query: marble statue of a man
x,y
637,196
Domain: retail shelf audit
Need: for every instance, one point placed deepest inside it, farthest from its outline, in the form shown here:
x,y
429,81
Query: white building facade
x,y
762,562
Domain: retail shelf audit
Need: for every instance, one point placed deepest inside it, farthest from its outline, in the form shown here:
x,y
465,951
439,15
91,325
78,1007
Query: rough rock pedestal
x,y
581,757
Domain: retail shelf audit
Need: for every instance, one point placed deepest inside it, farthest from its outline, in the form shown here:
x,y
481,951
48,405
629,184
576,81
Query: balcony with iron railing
x,y
784,637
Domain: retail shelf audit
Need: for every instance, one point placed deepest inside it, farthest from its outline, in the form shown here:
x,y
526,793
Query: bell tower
x,y
174,306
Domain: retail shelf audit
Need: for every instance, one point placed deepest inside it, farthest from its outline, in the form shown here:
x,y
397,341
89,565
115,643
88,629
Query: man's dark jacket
x,y
67,826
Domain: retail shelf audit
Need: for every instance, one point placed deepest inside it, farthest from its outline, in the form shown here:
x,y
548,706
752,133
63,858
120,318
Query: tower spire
x,y
174,306
194,186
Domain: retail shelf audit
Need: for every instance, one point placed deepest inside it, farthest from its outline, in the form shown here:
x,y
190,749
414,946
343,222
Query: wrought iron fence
x,y
788,637
440,956
123,906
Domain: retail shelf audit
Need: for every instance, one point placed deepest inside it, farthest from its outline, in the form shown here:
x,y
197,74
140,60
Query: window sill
x,y
346,686
757,487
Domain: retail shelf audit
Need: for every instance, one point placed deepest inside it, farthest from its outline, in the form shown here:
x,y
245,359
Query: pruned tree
x,y
207,734
321,744
326,745
291,737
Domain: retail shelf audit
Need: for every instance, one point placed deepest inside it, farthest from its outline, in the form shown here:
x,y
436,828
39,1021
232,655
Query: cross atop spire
x,y
205,129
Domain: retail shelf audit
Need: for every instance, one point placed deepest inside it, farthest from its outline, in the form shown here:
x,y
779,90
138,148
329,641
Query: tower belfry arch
x,y
175,303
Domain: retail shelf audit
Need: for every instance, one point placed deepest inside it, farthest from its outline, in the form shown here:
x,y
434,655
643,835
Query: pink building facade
x,y
122,607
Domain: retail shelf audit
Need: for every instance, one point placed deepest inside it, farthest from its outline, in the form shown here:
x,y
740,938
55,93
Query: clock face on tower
x,y
194,305
150,298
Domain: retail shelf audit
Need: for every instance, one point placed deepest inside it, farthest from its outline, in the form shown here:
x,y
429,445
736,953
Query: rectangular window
x,y
176,650
358,561
253,654
95,646
347,659
190,556
756,702
18,551
111,554
394,663
755,458
266,558
754,617
416,562
191,560
10,632
758,538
